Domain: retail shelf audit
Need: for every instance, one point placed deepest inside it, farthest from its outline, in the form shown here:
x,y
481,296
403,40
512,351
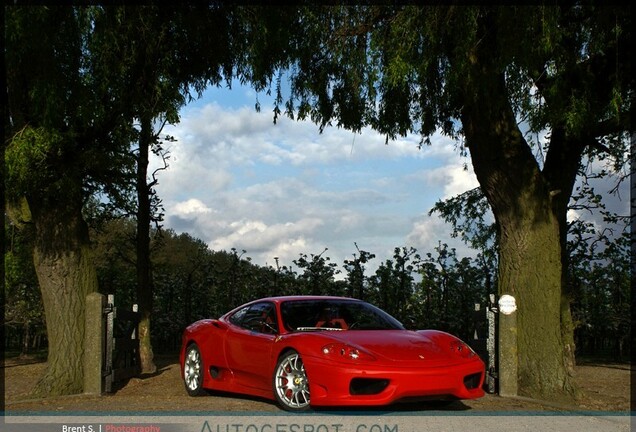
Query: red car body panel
x,y
411,364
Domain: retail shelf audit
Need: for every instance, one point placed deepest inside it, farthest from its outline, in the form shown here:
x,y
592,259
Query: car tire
x,y
193,371
290,383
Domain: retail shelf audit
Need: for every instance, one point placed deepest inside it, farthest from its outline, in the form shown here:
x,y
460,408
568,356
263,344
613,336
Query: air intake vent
x,y
472,381
367,386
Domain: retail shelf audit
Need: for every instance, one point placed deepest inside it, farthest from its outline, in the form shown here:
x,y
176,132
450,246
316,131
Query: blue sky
x,y
237,180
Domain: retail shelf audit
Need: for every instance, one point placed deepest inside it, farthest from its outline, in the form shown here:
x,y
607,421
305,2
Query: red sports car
x,y
304,351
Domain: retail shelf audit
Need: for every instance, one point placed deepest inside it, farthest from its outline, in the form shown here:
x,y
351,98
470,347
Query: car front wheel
x,y
291,386
193,371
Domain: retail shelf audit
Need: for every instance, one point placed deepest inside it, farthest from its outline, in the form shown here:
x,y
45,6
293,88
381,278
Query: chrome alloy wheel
x,y
291,383
192,371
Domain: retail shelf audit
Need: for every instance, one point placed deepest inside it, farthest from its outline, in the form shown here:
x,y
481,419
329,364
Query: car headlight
x,y
462,349
339,351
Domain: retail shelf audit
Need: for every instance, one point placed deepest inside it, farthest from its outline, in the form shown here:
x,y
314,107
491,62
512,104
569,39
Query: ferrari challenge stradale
x,y
313,351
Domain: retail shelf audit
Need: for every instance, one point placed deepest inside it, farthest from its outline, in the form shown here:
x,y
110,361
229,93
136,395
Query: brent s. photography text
x,y
110,428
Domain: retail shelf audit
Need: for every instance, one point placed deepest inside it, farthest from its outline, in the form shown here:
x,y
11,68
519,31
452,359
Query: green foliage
x,y
318,274
600,282
30,162
67,126
469,214
113,243
449,289
403,68
391,287
355,273
23,311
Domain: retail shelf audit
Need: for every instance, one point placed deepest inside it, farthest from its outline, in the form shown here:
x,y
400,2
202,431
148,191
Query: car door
x,y
248,345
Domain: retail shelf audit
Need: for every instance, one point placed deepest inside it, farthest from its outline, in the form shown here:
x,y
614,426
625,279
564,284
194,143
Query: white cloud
x,y
257,236
452,179
192,206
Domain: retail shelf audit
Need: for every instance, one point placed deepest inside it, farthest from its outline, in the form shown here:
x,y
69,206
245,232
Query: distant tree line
x,y
437,289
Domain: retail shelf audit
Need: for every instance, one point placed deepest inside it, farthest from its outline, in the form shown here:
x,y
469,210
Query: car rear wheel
x,y
291,386
193,371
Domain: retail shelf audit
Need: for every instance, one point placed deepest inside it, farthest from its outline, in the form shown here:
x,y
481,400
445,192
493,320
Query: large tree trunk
x,y
530,265
66,276
560,170
144,279
530,270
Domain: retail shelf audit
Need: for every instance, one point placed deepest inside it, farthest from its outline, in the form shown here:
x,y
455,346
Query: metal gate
x,y
485,341
121,353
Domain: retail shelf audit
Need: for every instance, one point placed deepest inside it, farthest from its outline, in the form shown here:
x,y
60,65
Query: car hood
x,y
403,346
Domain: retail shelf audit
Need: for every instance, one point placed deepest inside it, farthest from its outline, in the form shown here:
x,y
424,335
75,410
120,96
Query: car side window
x,y
238,316
259,317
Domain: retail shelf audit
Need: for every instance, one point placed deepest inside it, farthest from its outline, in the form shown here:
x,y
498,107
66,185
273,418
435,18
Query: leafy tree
x,y
184,290
406,260
282,280
277,281
427,296
470,218
318,274
355,273
113,246
150,43
600,281
473,72
65,133
235,278
153,95
76,81
392,284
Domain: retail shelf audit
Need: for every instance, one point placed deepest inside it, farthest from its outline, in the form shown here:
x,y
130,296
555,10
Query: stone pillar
x,y
508,352
94,343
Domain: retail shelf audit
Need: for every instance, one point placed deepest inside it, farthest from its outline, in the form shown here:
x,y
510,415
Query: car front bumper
x,y
337,383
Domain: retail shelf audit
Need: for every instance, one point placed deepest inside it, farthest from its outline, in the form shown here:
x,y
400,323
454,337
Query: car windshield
x,y
308,315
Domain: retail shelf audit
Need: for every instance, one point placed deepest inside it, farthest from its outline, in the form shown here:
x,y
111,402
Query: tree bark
x,y
144,279
66,276
560,170
530,270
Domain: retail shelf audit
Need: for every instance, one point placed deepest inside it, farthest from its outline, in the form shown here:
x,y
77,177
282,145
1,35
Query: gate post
x,y
491,346
109,311
508,354
94,343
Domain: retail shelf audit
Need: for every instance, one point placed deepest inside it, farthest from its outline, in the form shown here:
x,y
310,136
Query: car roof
x,y
279,299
